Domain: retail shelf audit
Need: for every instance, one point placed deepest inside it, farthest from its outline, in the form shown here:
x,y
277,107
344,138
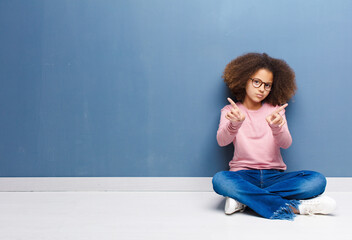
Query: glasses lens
x,y
256,83
267,86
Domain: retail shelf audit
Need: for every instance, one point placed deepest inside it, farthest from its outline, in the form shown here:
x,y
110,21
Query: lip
x,y
260,95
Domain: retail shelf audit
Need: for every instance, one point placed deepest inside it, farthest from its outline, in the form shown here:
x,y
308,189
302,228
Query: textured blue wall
x,y
134,88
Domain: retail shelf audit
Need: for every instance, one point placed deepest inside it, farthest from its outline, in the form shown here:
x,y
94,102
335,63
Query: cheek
x,y
249,88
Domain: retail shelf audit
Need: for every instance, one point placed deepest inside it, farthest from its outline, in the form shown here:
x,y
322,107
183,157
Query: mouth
x,y
259,95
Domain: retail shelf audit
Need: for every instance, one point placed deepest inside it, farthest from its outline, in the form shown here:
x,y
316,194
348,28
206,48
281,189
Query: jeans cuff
x,y
285,212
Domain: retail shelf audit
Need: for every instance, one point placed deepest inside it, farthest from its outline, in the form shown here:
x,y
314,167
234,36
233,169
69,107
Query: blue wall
x,y
134,88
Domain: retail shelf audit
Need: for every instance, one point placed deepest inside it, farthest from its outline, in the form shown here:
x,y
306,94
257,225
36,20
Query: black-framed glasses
x,y
257,83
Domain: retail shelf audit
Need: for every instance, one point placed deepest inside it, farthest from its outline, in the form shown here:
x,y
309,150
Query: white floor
x,y
155,215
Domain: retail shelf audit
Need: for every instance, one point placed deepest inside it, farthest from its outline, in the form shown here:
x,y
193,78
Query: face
x,y
255,95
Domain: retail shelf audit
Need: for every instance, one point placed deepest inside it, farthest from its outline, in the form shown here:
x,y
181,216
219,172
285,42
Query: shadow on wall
x,y
224,154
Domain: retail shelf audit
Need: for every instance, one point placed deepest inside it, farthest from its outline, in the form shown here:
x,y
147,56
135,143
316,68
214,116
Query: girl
x,y
257,127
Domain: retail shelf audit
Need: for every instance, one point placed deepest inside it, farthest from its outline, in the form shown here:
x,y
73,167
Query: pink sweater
x,y
257,145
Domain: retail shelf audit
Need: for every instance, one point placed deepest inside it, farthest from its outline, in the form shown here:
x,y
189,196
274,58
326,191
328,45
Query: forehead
x,y
264,75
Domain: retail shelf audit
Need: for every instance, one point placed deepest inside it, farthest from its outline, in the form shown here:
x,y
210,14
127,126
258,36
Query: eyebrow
x,y
262,80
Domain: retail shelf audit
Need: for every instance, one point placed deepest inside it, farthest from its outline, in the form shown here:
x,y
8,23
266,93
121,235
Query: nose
x,y
261,88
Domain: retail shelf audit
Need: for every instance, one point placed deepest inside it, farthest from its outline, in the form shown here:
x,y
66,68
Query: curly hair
x,y
239,70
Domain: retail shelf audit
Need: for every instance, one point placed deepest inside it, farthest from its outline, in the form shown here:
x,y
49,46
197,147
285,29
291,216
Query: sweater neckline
x,y
254,111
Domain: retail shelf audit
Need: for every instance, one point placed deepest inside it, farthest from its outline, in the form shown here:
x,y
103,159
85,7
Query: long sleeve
x,y
282,135
227,130
256,143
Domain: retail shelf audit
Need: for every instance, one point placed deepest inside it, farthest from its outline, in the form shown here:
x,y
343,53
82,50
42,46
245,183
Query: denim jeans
x,y
270,193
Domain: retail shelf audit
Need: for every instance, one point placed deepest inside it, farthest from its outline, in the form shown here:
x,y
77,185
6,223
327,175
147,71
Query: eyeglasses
x,y
257,83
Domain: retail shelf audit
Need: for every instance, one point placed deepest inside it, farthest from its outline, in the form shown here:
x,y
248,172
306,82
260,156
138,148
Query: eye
x,y
257,82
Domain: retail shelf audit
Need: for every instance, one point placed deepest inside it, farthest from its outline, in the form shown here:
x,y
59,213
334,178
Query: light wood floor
x,y
155,215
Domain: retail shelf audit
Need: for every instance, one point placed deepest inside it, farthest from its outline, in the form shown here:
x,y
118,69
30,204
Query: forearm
x,y
282,136
227,130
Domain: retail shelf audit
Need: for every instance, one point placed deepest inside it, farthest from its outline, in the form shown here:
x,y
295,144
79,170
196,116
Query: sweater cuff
x,y
276,129
233,127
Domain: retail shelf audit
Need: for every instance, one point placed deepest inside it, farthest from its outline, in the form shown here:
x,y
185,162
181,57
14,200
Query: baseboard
x,y
131,184
187,184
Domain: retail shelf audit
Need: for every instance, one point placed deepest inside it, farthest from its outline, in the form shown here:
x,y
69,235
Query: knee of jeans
x,y
223,182
316,183
217,179
226,183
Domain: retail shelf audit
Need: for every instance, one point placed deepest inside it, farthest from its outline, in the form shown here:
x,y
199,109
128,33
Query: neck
x,y
250,105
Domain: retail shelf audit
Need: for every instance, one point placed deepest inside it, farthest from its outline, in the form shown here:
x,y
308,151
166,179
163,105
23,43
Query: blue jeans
x,y
270,193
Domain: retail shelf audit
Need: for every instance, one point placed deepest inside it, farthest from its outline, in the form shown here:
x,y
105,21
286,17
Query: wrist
x,y
275,128
233,126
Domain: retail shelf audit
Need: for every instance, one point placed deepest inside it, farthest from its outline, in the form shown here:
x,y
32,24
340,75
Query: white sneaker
x,y
318,205
232,206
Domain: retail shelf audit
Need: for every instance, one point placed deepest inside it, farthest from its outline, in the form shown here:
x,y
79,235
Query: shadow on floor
x,y
221,205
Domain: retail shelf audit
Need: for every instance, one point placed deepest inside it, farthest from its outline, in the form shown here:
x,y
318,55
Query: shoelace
x,y
242,207
311,203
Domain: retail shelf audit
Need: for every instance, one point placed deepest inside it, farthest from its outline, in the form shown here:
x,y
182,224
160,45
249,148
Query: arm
x,y
282,135
227,130
278,125
230,122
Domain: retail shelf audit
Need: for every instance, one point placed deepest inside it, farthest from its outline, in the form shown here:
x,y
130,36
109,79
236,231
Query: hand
x,y
235,115
275,119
